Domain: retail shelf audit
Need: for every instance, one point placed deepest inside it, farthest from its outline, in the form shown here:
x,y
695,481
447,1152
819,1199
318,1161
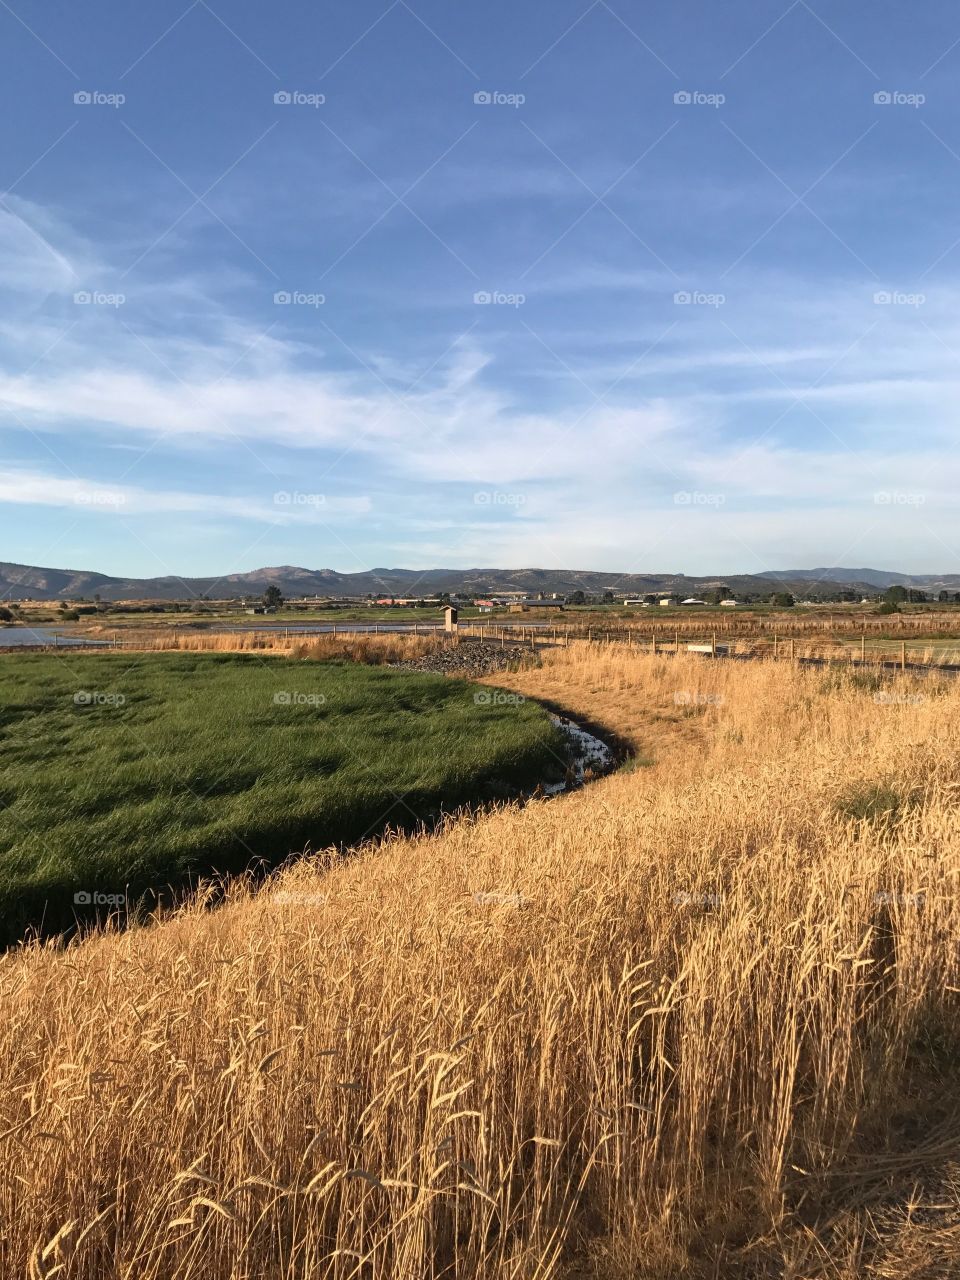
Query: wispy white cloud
x,y
38,256
702,411
25,487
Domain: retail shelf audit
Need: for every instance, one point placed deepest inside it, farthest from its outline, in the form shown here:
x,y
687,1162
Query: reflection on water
x,y
17,637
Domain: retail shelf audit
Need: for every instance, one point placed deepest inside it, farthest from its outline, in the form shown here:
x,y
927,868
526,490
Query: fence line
x,y
775,646
720,639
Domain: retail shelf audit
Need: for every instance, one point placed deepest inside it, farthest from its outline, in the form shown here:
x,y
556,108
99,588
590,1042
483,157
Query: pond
x,y
21,637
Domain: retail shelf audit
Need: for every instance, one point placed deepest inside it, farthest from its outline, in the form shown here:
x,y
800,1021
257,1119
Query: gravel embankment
x,y
469,658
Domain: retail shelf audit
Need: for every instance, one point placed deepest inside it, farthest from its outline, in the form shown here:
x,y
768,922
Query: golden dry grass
x,y
646,707
693,1021
801,637
207,642
371,649
363,647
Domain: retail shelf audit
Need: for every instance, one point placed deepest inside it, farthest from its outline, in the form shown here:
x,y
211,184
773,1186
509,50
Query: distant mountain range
x,y
28,582
879,578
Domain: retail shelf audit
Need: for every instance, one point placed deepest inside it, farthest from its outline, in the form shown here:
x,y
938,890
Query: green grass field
x,y
121,774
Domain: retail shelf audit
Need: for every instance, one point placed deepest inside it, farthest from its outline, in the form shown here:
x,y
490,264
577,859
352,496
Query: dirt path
x,y
655,734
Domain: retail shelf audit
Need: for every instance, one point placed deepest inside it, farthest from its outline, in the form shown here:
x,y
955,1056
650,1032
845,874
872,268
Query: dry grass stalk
x,y
372,649
358,647
690,1021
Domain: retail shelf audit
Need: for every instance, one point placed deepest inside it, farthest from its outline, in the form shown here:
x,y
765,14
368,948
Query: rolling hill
x,y
30,582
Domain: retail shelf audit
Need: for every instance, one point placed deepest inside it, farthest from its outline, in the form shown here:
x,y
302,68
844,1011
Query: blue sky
x,y
583,285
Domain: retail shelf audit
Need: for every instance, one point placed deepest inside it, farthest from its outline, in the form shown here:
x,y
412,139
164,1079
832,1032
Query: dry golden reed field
x,y
359,647
865,639
698,1019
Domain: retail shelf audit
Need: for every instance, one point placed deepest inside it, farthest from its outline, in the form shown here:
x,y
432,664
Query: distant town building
x,y
405,600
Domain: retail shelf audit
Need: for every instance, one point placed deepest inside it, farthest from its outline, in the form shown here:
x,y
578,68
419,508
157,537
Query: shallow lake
x,y
17,637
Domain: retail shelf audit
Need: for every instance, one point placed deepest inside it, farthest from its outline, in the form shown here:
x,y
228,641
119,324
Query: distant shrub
x,y
840,678
871,801
635,762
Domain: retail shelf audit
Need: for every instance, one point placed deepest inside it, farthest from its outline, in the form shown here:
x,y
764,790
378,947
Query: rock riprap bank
x,y
468,658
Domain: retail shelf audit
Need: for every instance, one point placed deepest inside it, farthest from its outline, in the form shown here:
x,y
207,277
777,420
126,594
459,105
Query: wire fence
x,y
868,648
